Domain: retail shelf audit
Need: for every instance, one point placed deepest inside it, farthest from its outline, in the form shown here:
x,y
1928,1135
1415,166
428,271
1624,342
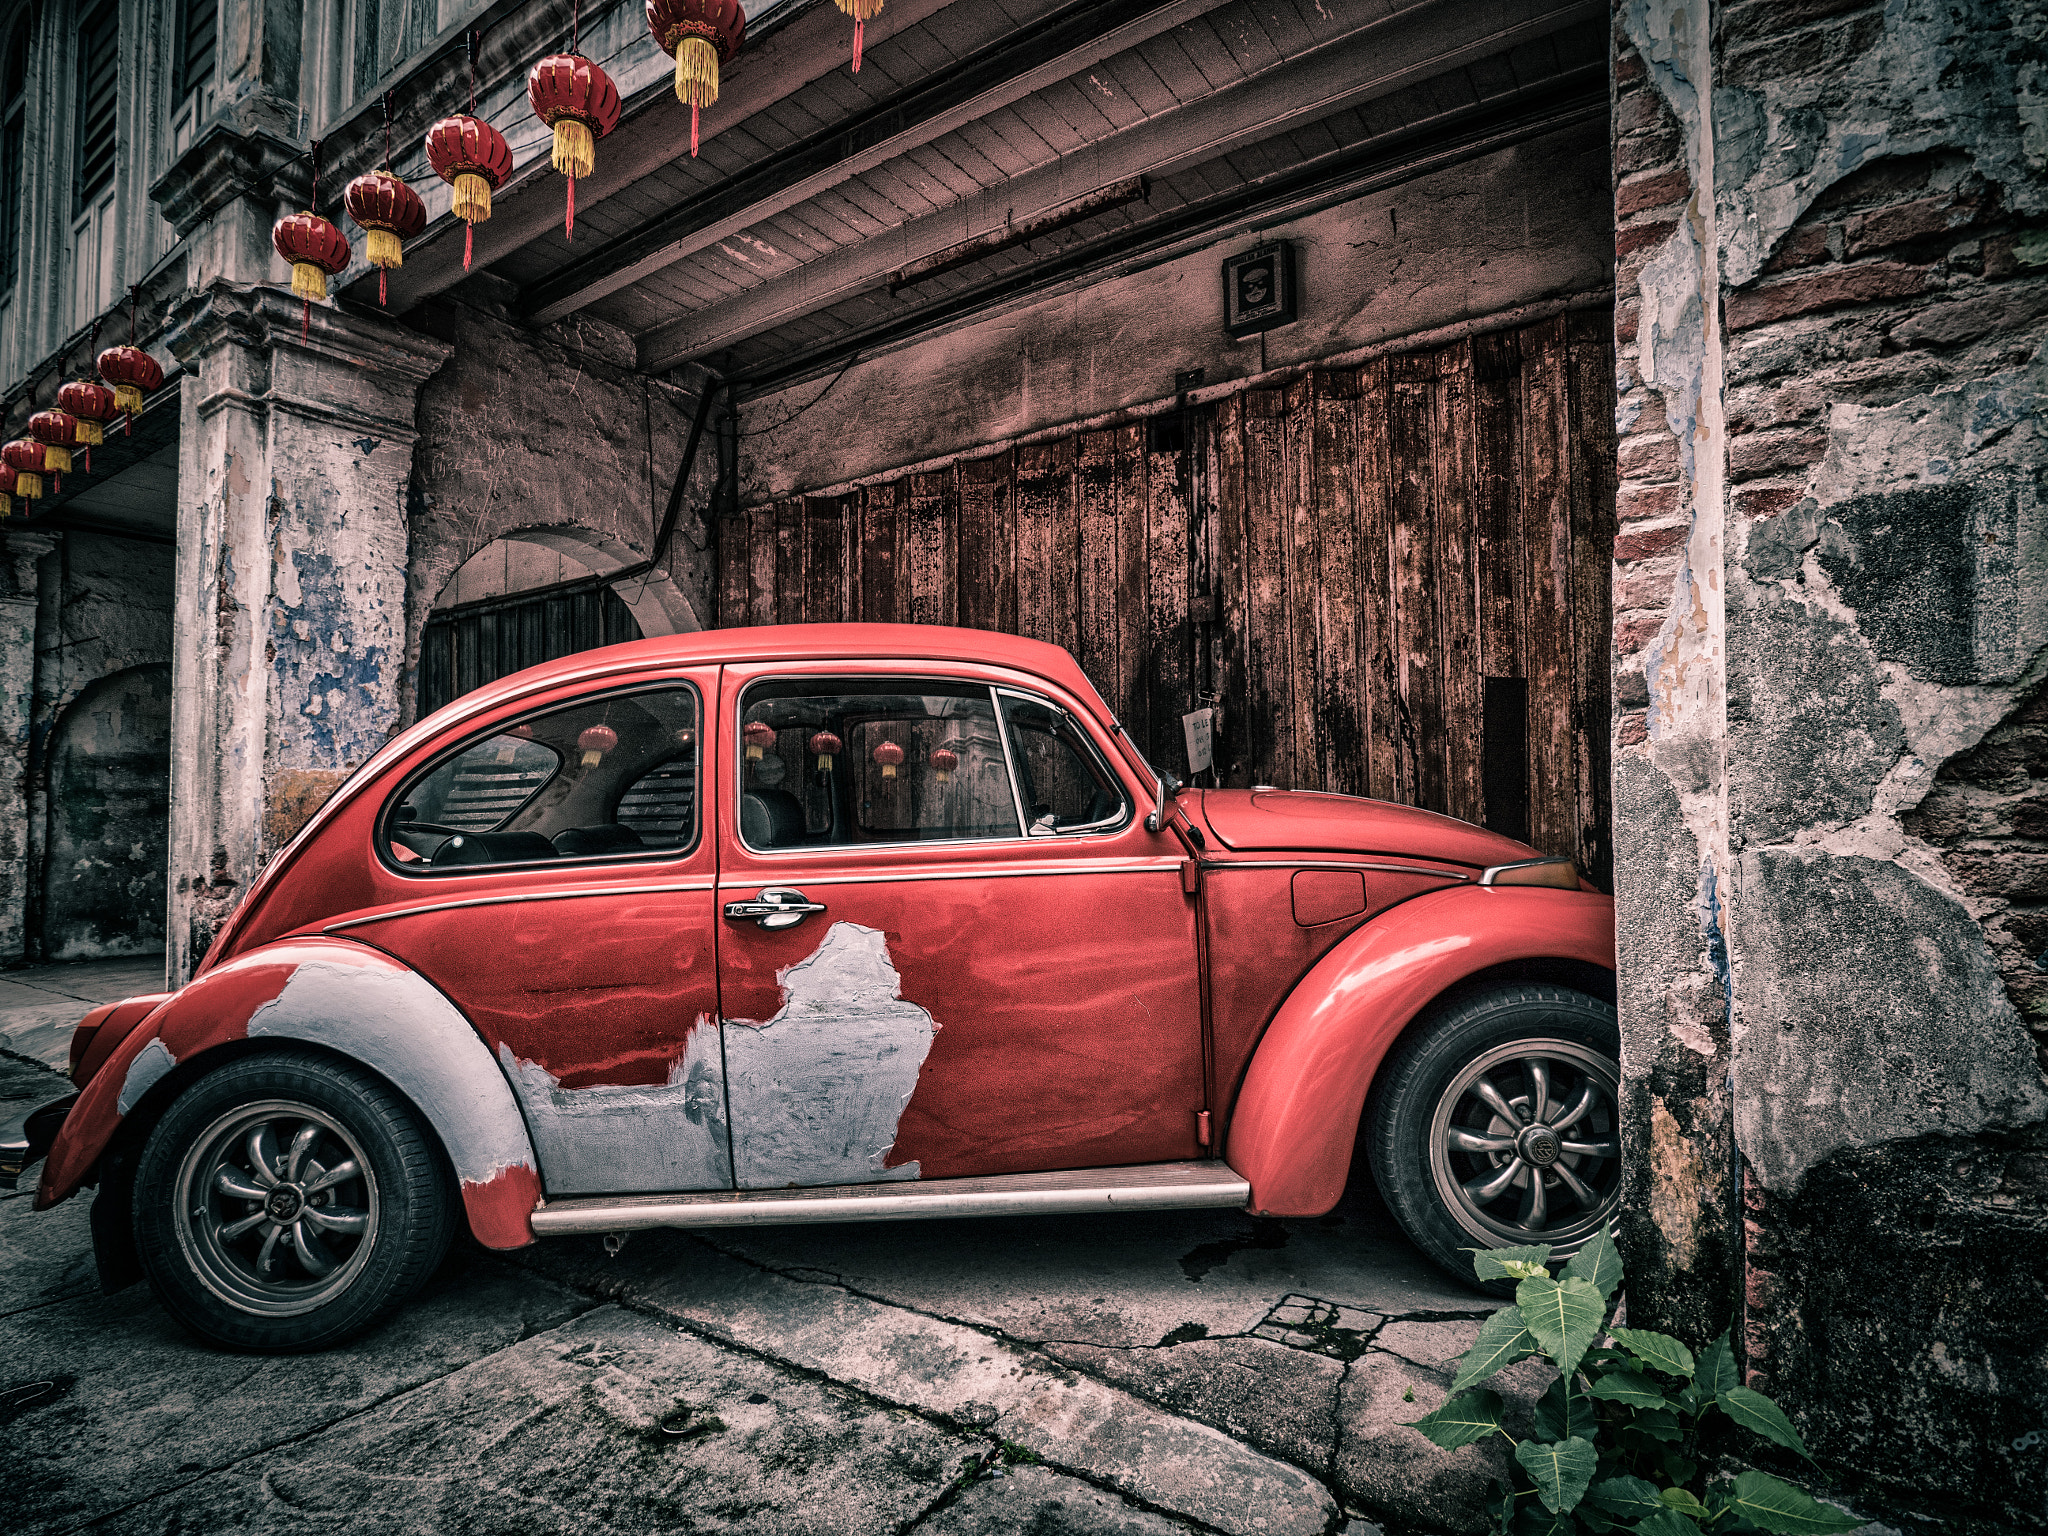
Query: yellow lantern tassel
x,y
888,770
386,249
28,487
127,398
6,506
696,79
575,150
89,434
308,281
472,198
56,460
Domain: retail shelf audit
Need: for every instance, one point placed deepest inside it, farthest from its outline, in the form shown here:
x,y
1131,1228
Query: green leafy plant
x,y
1615,1441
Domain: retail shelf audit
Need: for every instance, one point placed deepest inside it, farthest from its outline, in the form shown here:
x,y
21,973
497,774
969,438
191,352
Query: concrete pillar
x,y
290,637
21,557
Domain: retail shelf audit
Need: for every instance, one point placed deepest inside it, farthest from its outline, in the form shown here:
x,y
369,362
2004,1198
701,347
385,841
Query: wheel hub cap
x,y
284,1203
1539,1145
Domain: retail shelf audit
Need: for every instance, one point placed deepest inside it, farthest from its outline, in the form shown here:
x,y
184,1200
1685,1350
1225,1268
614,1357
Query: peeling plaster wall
x,y
1831,596
551,432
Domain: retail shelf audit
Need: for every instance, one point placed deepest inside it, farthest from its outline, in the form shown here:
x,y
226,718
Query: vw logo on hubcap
x,y
1540,1145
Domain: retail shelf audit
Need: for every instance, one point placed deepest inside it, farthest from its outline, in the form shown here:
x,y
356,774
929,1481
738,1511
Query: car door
x,y
559,891
948,945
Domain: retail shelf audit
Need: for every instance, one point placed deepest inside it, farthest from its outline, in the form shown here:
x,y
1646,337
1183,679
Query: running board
x,y
1149,1187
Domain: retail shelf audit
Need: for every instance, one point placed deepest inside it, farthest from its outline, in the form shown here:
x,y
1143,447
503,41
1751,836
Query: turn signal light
x,y
1555,873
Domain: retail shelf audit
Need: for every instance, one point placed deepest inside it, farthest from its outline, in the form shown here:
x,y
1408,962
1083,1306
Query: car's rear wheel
x,y
287,1203
1494,1123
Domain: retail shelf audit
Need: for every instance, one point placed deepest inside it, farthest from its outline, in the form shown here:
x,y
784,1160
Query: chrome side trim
x,y
1220,866
1171,867
499,901
1488,876
1151,1187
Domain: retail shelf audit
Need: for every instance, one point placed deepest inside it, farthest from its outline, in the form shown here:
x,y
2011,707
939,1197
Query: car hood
x,y
1303,821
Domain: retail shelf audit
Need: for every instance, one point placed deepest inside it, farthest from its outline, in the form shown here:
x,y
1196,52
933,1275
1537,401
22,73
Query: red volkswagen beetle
x,y
827,923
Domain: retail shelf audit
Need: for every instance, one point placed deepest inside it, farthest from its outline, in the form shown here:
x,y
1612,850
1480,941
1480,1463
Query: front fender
x,y
353,1000
1297,1117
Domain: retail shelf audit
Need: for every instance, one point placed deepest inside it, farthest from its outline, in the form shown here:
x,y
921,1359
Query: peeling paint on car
x,y
817,1090
395,1023
150,1066
610,1137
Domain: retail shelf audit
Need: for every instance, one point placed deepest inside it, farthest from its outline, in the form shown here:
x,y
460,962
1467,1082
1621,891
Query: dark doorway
x,y
110,783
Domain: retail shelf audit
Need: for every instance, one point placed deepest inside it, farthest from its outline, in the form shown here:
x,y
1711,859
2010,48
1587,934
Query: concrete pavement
x,y
1140,1373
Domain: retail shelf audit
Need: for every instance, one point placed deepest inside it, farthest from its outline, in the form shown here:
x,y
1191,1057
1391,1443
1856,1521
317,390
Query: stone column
x,y
21,557
288,651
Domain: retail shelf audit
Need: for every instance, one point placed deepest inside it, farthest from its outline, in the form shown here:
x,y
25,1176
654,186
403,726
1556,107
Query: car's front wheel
x,y
287,1203
1494,1123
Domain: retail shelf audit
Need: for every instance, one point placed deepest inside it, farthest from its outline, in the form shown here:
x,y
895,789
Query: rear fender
x,y
359,1003
1297,1117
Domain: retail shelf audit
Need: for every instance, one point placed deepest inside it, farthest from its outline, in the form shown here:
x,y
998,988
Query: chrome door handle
x,y
776,907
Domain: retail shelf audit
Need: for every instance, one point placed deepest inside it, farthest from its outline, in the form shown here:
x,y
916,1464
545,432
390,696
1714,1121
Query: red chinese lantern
x,y
25,458
701,34
760,736
862,12
390,213
594,742
471,156
56,431
945,760
889,755
93,405
134,374
825,744
578,100
317,251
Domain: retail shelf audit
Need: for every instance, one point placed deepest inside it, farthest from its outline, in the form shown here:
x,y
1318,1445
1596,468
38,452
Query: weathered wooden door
x,y
1390,580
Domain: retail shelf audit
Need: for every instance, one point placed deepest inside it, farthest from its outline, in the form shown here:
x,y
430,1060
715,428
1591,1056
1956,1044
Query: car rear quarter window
x,y
606,778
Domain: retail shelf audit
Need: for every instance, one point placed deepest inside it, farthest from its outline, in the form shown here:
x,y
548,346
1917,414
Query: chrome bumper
x,y
27,1134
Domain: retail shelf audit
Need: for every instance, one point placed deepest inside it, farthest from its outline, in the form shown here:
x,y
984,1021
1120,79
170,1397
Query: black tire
x,y
244,1273
1427,1100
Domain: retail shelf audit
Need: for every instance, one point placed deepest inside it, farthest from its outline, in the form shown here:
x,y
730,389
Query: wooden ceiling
x,y
770,255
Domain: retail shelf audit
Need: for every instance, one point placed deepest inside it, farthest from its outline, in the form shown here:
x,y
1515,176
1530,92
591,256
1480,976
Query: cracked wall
x,y
1830,382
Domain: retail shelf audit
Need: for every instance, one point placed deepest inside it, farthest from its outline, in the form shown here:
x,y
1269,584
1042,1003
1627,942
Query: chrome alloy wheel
x,y
278,1208
1525,1143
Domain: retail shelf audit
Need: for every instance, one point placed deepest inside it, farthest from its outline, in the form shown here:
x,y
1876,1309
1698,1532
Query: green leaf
x,y
1717,1368
1560,1471
1598,1264
1757,1413
1468,1417
1502,1341
1786,1510
1489,1263
1626,1498
1683,1502
1500,1503
1657,1423
1550,1415
1678,1469
1564,1315
1629,1387
1659,1351
1667,1522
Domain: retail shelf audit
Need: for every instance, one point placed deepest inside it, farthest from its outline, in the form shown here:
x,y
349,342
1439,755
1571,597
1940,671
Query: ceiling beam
x,y
1025,61
1371,61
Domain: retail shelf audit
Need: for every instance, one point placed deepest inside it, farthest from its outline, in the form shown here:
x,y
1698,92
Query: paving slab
x,y
141,1407
561,1435
88,981
966,1376
1041,1502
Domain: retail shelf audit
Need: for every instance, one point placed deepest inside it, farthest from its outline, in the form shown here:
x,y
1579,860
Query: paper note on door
x,y
1196,727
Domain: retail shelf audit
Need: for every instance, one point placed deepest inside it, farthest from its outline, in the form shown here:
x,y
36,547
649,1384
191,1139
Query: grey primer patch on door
x,y
817,1090
612,1139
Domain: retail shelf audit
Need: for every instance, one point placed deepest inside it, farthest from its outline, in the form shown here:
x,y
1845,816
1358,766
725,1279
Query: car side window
x,y
1061,779
857,761
604,778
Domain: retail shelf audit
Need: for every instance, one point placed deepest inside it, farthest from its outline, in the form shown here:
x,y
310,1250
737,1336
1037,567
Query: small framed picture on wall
x,y
1259,289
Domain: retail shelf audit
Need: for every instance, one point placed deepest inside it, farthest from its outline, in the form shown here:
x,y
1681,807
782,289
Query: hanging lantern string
x,y
472,73
575,24
387,131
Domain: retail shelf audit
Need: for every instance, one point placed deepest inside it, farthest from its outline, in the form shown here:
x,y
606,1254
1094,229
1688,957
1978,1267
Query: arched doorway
x,y
109,799
535,595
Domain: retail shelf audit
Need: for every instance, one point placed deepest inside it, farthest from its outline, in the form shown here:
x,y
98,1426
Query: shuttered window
x,y
13,94
477,643
99,77
198,25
